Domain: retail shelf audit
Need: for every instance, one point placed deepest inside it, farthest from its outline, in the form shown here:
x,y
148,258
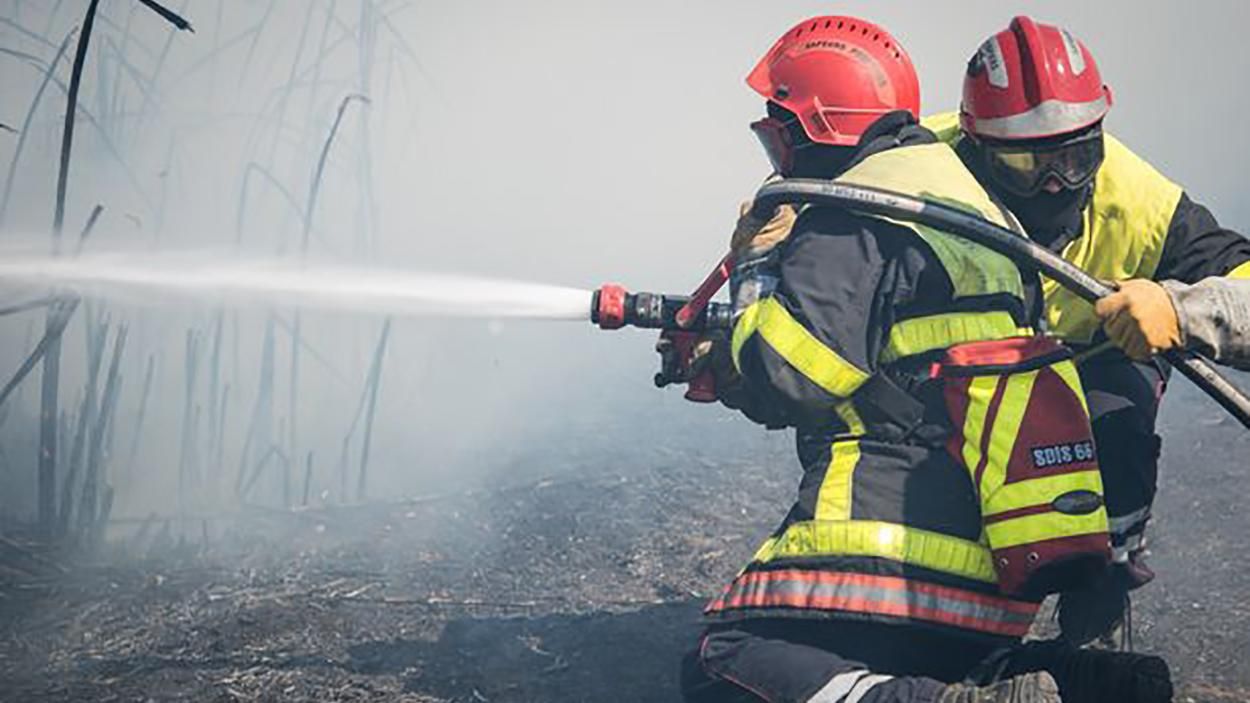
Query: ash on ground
x,y
586,586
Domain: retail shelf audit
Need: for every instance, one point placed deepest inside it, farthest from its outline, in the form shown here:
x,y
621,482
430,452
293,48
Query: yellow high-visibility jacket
x,y
1138,224
884,528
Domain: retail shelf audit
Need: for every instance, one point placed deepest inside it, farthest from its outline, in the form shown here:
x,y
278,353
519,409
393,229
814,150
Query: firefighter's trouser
x,y
1124,401
775,660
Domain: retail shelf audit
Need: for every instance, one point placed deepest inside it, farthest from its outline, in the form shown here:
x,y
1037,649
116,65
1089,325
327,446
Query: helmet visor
x,y
1024,168
774,136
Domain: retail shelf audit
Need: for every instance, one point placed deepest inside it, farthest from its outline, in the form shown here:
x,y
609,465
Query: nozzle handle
x,y
676,349
699,299
702,388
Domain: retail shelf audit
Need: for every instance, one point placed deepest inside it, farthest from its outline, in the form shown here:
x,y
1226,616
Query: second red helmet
x,y
1032,81
838,75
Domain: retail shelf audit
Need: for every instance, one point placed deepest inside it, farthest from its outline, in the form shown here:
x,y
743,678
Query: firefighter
x,y
1030,128
1211,317
897,575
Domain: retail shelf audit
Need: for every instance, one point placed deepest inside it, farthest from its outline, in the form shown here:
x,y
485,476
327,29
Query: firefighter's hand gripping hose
x,y
1023,251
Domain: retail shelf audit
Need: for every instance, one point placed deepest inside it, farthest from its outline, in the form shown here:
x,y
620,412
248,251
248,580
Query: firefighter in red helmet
x,y
894,576
1031,128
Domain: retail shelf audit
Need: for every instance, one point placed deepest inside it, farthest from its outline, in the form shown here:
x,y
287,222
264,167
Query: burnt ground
x,y
582,587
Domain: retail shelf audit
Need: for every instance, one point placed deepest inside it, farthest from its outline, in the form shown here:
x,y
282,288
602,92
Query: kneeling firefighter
x,y
949,476
1030,127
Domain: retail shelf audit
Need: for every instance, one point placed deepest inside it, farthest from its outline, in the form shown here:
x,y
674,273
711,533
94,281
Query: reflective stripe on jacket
x,y
883,528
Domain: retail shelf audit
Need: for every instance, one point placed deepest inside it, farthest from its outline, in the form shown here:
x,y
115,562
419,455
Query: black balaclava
x,y
1051,219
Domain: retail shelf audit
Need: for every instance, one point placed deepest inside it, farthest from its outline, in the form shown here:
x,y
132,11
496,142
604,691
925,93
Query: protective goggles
x,y
774,135
1024,169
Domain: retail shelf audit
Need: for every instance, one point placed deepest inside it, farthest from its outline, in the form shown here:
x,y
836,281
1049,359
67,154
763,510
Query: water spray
x,y
153,279
150,279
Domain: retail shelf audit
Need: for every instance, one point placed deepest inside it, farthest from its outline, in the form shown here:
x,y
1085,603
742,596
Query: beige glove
x,y
1140,319
752,235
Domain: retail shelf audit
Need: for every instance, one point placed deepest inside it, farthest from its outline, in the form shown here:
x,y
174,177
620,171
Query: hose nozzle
x,y
612,307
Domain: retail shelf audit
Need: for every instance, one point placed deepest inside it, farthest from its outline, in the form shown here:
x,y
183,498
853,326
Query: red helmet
x,y
838,75
1031,81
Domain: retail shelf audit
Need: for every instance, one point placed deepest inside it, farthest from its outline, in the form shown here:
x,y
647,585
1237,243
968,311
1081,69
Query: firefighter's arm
x,y
1214,318
1145,317
753,238
800,339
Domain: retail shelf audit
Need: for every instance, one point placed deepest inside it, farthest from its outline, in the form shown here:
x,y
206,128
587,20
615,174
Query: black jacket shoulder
x,y
1197,246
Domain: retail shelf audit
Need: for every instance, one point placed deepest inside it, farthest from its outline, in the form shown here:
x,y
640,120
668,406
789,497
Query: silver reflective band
x,y
1075,58
1047,119
991,55
1123,523
838,687
864,685
1120,554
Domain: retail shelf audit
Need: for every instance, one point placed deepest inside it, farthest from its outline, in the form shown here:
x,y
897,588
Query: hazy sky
x,y
572,142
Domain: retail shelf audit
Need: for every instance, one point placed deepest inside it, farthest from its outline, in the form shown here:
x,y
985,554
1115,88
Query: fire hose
x,y
1024,252
682,317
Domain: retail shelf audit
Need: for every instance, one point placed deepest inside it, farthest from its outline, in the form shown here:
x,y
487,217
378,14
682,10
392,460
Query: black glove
x,y
683,356
1084,675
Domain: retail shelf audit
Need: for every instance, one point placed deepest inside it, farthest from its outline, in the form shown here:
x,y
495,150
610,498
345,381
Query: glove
x,y
711,351
756,236
1140,319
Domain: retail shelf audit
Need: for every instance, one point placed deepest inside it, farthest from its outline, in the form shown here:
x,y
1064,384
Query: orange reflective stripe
x,y
877,595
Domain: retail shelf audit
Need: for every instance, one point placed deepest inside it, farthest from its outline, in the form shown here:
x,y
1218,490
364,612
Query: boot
x,y
1094,676
1094,614
1037,687
1098,613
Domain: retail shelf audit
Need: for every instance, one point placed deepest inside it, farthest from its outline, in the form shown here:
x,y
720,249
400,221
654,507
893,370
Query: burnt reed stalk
x,y
52,357
90,505
26,123
375,380
96,336
186,479
143,411
314,189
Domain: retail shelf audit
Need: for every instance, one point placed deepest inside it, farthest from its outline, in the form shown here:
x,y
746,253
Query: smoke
x,y
561,143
